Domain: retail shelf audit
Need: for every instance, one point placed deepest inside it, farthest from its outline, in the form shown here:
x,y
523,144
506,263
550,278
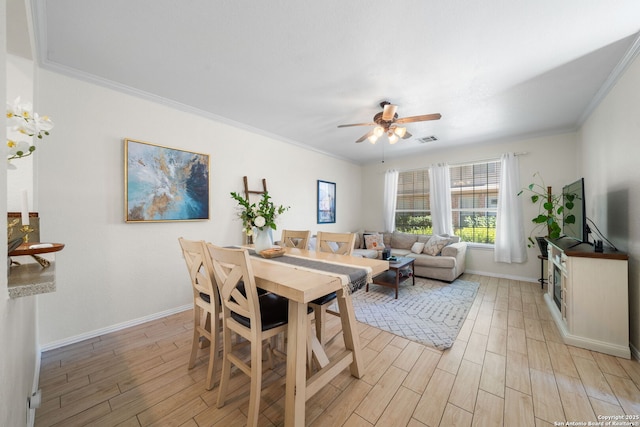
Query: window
x,y
413,212
474,201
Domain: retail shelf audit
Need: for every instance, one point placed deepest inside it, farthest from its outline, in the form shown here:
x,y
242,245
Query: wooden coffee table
x,y
391,278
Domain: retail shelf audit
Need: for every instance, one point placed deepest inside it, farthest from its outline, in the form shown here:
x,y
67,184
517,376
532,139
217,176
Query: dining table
x,y
301,285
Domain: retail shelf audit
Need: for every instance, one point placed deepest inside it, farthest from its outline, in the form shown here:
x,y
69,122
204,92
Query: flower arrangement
x,y
22,120
263,215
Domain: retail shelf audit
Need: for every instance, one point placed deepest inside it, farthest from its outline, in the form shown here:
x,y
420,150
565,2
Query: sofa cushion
x,y
423,260
435,245
374,241
417,247
424,238
403,240
366,253
401,252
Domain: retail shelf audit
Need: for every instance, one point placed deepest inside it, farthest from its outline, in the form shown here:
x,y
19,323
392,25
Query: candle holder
x,y
26,229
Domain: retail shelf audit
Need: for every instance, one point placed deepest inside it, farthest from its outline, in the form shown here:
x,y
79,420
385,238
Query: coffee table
x,y
391,278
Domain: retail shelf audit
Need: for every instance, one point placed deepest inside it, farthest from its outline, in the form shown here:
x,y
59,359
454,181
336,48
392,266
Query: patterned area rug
x,y
431,312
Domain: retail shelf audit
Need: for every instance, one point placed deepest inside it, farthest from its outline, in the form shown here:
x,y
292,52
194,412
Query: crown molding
x,y
611,80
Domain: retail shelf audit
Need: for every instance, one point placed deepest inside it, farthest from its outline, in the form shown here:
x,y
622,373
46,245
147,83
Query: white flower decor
x,y
259,221
263,215
21,122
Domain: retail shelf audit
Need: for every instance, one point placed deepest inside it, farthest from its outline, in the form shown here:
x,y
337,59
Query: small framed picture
x,y
326,202
164,184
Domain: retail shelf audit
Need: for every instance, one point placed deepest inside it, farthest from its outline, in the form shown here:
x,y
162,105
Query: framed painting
x,y
164,184
326,202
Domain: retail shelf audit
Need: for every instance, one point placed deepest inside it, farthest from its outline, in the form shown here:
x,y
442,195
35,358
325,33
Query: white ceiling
x,y
295,70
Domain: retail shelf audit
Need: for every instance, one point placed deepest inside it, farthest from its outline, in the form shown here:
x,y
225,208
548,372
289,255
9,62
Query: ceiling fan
x,y
387,122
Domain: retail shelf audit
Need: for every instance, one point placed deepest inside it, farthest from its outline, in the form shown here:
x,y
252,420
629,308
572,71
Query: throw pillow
x,y
374,241
435,245
403,240
417,247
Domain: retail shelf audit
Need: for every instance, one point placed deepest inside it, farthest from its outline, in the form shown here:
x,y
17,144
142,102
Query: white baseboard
x,y
502,276
113,328
635,352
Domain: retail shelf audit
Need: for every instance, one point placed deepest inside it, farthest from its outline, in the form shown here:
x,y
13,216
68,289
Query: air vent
x,y
427,139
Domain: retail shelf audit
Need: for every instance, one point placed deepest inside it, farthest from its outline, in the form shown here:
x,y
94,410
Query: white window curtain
x,y
390,199
510,245
440,199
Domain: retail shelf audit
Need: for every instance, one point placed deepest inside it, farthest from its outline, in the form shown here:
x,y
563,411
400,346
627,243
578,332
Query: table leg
x,y
296,381
350,332
397,281
413,273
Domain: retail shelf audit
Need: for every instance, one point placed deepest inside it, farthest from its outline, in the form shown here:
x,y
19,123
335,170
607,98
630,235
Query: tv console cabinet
x,y
587,295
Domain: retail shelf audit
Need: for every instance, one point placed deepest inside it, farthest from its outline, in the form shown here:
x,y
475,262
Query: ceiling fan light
x,y
400,131
372,138
378,131
393,138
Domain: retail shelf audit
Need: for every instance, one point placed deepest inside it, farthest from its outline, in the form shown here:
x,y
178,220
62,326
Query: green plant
x,y
550,209
262,215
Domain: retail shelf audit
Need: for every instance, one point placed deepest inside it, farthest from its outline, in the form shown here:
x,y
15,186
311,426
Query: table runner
x,y
353,278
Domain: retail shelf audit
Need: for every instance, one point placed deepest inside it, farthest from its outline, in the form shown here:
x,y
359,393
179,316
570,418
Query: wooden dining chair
x,y
207,321
295,238
337,243
255,318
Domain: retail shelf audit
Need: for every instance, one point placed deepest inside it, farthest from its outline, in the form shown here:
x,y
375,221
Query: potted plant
x,y
550,212
258,220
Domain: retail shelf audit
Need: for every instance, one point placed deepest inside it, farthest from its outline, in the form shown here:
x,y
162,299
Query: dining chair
x,y
295,238
337,243
254,318
207,321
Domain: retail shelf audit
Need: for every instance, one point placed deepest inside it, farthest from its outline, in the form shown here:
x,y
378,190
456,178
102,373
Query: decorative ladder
x,y
247,192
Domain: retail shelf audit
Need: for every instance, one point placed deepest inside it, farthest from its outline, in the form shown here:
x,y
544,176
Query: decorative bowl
x,y
272,253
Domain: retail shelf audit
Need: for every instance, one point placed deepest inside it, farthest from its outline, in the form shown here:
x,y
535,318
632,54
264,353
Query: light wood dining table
x,y
301,286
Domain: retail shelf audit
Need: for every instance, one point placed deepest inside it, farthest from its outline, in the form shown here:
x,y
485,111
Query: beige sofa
x,y
448,265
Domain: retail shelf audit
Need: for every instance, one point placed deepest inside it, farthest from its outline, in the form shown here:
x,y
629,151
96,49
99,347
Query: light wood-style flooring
x,y
508,367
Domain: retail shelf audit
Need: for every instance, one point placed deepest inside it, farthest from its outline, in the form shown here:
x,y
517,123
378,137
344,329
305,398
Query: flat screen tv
x,y
574,219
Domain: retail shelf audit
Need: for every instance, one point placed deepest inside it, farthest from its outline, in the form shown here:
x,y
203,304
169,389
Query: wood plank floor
x,y
508,367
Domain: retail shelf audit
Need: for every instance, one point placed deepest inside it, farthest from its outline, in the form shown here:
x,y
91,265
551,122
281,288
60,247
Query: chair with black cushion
x,y
255,318
295,238
337,243
207,321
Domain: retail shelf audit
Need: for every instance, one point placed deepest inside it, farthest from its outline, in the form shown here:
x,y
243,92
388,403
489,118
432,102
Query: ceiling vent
x,y
427,139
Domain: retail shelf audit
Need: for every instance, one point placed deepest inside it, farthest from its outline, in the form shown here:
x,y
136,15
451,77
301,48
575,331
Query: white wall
x,y
554,157
610,151
17,317
111,272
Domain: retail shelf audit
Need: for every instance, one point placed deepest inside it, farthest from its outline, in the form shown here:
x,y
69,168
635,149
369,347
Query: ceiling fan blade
x,y
365,136
357,124
389,112
423,118
407,135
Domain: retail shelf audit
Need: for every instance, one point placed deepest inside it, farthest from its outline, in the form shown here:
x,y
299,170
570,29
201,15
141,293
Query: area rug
x,y
431,312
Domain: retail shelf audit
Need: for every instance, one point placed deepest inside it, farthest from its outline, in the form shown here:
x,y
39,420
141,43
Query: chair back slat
x,y
199,267
337,243
296,238
231,268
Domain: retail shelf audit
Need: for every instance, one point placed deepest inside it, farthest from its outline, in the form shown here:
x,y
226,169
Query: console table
x,y
588,296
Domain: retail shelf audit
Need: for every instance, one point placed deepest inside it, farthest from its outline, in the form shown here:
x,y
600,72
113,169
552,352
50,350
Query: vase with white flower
x,y
258,220
23,122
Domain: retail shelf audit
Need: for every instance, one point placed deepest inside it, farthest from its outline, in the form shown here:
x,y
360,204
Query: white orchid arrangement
x,y
262,215
22,121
